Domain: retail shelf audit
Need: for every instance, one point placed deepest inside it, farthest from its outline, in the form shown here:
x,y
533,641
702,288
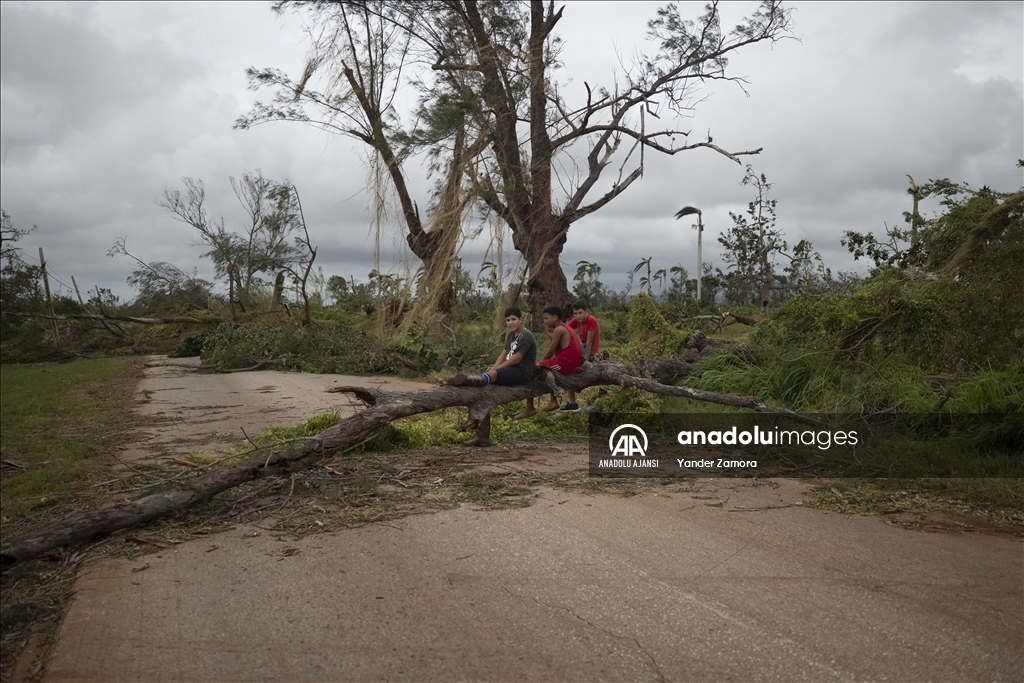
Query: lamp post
x,y
687,211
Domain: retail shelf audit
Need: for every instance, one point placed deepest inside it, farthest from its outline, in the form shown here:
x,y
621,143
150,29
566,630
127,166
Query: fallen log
x,y
120,318
383,407
718,320
740,318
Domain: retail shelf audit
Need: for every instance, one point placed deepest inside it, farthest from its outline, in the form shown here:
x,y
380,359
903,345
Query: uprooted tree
x,y
492,118
654,375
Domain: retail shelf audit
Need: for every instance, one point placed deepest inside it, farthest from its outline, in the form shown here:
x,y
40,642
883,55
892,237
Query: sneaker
x,y
570,408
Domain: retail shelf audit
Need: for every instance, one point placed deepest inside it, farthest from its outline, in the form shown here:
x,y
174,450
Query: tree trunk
x,y
383,408
542,246
437,248
437,251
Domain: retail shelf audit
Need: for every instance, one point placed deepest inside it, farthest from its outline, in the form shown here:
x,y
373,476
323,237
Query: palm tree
x,y
679,274
662,276
687,211
645,280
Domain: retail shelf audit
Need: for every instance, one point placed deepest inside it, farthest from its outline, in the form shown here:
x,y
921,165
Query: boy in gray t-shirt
x,y
513,366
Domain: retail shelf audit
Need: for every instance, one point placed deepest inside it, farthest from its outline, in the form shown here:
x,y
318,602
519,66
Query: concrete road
x,y
727,582
574,588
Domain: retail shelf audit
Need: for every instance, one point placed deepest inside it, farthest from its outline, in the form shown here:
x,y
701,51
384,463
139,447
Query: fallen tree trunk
x,y
740,318
382,408
119,318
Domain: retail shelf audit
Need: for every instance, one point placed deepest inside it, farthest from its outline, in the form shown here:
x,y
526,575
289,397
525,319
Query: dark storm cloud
x,y
105,105
64,76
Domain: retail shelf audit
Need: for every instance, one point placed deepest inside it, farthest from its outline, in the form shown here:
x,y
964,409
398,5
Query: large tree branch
x,y
380,143
611,194
120,318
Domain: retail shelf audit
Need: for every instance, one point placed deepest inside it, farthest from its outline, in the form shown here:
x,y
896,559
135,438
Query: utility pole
x,y
77,292
49,302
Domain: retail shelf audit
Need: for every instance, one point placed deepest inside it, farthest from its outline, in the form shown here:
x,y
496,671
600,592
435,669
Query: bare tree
x,y
163,285
273,239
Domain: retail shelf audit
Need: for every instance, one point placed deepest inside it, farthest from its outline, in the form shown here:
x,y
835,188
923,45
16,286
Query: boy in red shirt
x,y
589,331
564,355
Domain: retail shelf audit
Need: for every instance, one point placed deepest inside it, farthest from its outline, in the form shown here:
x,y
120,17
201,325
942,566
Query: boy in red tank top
x,y
564,355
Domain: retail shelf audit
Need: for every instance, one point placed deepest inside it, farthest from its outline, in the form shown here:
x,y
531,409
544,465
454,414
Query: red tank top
x,y
571,357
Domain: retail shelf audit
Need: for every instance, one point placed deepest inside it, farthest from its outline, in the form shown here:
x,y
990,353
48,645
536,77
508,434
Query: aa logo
x,y
628,443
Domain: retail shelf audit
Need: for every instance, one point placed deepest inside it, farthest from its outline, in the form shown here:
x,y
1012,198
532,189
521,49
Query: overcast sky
x,y
105,104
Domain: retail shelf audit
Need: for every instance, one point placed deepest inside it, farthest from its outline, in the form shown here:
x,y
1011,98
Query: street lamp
x,y
687,211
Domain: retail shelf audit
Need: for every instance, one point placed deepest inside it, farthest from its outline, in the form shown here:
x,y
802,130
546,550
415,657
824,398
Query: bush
x,y
912,321
968,307
309,349
650,335
192,345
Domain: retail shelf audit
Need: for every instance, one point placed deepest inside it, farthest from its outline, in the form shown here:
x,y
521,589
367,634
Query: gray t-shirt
x,y
524,343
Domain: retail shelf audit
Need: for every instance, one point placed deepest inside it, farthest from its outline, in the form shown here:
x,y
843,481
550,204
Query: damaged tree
x,y
486,71
382,408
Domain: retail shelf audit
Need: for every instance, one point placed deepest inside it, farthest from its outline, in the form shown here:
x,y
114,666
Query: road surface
x,y
727,581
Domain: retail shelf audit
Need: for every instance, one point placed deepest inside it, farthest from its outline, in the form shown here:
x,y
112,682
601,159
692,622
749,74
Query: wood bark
x,y
740,318
382,408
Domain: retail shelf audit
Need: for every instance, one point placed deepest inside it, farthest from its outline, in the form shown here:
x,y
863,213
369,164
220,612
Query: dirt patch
x,y
947,522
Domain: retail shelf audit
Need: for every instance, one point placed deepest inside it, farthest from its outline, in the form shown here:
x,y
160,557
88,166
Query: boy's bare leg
x,y
552,404
528,411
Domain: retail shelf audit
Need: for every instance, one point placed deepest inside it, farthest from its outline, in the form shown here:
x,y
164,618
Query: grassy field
x,y
61,420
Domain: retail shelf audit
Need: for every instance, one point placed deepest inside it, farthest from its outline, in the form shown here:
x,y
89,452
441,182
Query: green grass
x,y
66,416
997,501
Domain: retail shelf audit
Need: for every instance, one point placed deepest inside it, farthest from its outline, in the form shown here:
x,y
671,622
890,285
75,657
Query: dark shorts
x,y
511,376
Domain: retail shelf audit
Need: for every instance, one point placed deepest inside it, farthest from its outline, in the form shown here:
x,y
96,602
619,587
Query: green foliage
x,y
20,290
971,308
928,243
350,295
163,286
650,335
588,284
438,428
314,348
813,383
418,347
628,400
273,239
191,345
310,427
